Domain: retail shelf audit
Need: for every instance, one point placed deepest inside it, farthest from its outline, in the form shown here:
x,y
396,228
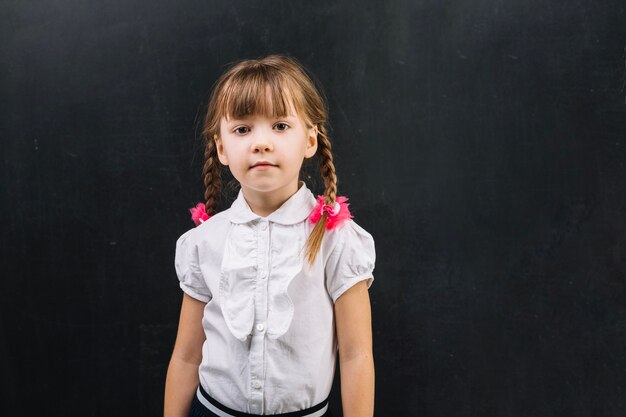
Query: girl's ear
x,y
220,150
311,143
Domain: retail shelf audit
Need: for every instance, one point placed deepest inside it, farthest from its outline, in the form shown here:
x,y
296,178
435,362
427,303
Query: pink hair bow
x,y
337,213
199,214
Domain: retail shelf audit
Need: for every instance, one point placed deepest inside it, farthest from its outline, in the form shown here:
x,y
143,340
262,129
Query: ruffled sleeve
x,y
188,270
352,259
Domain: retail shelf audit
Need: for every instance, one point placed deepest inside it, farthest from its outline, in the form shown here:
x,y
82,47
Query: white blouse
x,y
269,319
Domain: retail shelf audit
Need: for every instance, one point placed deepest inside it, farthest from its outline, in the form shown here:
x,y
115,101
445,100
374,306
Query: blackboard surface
x,y
482,143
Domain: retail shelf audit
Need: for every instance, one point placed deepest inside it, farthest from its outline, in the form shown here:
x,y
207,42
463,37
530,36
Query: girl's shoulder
x,y
211,229
350,233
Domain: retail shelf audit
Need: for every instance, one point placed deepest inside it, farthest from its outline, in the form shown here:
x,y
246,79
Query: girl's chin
x,y
266,187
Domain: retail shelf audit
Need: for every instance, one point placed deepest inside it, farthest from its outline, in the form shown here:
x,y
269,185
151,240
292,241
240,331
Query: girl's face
x,y
265,153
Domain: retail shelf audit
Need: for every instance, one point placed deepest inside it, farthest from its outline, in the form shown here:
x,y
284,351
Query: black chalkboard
x,y
482,143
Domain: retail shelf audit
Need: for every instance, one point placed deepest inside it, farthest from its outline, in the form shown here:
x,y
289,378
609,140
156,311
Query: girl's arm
x,y
182,374
353,319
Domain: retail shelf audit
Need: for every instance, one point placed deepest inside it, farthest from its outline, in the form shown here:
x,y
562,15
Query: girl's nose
x,y
262,142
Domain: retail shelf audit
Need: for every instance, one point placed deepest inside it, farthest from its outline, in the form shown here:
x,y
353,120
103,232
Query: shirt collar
x,y
296,209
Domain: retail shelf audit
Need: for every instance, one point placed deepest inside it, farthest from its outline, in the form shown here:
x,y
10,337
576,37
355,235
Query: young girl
x,y
278,283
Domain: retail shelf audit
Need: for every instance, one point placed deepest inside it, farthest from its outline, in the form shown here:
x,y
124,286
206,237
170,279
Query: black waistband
x,y
229,411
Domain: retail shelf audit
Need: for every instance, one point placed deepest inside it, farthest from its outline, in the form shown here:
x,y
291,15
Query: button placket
x,y
257,345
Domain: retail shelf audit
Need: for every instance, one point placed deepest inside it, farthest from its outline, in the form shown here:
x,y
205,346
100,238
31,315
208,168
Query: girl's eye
x,y
282,126
238,130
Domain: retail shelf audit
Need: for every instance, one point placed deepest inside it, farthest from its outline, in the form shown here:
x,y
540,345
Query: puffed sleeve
x,y
186,262
352,259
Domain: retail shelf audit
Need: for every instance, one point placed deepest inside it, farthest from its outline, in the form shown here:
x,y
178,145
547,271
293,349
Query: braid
x,y
212,176
327,169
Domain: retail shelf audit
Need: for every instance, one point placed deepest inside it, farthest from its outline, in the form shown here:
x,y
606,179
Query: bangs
x,y
259,90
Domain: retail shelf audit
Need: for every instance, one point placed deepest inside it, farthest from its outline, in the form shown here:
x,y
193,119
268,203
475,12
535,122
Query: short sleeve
x,y
188,270
352,259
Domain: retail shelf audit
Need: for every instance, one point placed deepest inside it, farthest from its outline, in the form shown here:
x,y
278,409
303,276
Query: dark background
x,y
482,143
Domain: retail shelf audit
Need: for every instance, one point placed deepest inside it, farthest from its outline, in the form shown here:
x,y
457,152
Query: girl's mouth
x,y
263,165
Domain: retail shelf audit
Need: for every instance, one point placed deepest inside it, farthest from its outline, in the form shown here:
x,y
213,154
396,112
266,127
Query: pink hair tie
x,y
199,214
337,213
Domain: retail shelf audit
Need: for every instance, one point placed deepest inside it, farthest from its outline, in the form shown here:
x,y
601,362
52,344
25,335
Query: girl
x,y
278,283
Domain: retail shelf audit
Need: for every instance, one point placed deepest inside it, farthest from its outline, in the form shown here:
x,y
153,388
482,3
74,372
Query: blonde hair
x,y
241,91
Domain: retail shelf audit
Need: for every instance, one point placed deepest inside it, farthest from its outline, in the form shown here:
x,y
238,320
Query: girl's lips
x,y
263,166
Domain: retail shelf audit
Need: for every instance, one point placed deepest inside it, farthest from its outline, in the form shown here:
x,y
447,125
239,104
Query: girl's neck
x,y
265,204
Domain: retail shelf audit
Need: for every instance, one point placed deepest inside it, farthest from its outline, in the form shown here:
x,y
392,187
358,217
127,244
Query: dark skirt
x,y
203,405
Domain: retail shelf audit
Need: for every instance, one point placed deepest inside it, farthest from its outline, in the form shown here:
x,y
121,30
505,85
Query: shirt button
x,y
263,226
256,384
260,327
